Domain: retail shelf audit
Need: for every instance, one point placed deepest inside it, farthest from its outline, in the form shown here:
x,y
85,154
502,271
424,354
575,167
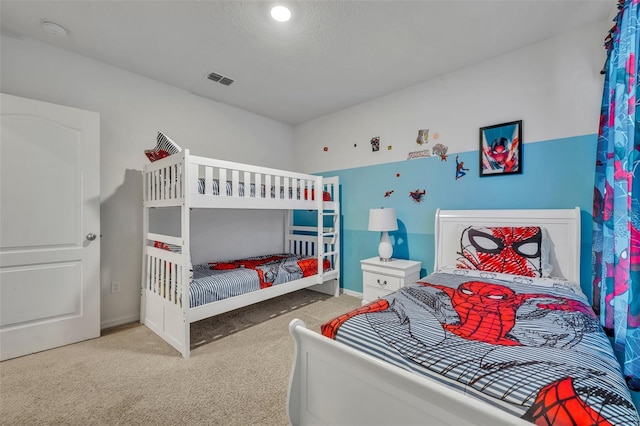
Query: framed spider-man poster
x,y
501,149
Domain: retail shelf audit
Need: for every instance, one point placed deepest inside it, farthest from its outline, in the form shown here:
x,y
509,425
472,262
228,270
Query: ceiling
x,y
329,56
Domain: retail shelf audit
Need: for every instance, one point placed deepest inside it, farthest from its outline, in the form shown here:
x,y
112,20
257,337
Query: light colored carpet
x,y
238,372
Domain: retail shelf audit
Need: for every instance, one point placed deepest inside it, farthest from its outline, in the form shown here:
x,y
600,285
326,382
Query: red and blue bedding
x,y
220,280
530,346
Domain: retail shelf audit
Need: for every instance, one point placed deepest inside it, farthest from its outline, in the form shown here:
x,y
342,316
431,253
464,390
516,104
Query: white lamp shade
x,y
382,220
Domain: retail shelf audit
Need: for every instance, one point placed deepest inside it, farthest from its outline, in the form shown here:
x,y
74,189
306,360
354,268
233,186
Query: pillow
x,y
510,250
164,148
223,266
325,195
169,247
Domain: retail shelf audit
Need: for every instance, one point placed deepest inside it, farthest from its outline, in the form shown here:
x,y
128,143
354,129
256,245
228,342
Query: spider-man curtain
x,y
616,206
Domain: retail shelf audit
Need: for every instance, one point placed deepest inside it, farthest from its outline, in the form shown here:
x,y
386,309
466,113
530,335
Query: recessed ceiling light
x,y
280,13
54,29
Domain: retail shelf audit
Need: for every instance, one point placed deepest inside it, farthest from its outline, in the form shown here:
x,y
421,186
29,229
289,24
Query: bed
x,y
467,346
176,293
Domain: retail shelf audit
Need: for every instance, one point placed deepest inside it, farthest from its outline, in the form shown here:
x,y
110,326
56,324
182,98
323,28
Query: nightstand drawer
x,y
374,293
384,282
380,278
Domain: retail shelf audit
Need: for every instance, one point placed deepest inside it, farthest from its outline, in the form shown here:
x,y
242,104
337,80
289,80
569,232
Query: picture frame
x,y
501,149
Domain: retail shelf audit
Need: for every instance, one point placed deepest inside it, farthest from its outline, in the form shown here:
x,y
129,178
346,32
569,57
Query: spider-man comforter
x,y
220,280
533,348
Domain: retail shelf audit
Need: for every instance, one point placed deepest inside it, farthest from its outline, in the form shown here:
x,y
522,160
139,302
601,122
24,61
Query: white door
x,y
49,226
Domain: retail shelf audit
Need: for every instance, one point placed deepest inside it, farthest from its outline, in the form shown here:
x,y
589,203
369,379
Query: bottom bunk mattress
x,y
533,347
220,280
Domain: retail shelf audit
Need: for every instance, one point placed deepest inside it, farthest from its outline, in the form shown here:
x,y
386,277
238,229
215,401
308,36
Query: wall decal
x,y
375,144
441,151
460,170
501,149
326,149
423,137
419,154
436,135
417,195
389,148
355,145
397,174
388,193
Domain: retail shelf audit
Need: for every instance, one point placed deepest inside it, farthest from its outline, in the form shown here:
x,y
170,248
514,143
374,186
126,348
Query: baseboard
x,y
119,321
351,293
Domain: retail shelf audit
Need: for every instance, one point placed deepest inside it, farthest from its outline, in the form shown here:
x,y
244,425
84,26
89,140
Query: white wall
x,y
132,109
554,86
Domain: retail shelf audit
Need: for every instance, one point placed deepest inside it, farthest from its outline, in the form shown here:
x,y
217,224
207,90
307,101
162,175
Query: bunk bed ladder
x,y
331,250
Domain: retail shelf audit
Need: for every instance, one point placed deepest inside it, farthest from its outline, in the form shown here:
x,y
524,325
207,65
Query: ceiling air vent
x,y
219,78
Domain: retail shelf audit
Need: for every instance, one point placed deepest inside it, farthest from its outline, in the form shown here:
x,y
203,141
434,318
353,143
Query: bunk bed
x,y
530,350
172,287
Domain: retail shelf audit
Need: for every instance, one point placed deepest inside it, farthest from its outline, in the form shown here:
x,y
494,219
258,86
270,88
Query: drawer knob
x,y
382,283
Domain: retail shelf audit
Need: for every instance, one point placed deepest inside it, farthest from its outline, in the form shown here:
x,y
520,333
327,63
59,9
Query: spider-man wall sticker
x,y
440,150
375,144
418,195
460,170
423,137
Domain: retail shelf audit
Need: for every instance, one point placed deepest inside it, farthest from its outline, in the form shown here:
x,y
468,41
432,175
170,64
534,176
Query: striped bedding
x,y
220,280
216,190
532,347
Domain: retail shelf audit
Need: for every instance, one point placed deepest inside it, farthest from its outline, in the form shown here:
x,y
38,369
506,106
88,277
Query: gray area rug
x,y
238,373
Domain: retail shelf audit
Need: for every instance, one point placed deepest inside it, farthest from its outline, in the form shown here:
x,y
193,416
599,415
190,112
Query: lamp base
x,y
385,249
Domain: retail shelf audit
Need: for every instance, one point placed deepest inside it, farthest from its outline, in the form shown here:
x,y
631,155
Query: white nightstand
x,y
381,278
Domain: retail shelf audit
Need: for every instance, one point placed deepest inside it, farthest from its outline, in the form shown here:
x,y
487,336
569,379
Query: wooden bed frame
x,y
332,383
173,182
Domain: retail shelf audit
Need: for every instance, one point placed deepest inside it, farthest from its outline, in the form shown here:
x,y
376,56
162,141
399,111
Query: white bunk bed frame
x,y
332,383
173,182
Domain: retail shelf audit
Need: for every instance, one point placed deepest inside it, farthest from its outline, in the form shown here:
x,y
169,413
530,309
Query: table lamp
x,y
383,220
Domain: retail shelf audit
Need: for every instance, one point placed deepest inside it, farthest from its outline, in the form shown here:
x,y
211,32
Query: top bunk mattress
x,y
220,280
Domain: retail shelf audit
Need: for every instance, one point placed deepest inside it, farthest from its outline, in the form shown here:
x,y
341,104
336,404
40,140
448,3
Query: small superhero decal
x,y
460,170
440,150
423,137
417,195
388,193
326,149
375,144
419,154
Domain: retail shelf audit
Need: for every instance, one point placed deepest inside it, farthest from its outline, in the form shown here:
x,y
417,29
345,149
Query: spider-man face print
x,y
484,295
510,250
499,150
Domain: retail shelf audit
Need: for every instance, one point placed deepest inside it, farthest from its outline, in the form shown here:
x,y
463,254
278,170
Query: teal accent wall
x,y
556,174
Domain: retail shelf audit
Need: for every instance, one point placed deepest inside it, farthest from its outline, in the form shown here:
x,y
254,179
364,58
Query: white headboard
x,y
562,226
